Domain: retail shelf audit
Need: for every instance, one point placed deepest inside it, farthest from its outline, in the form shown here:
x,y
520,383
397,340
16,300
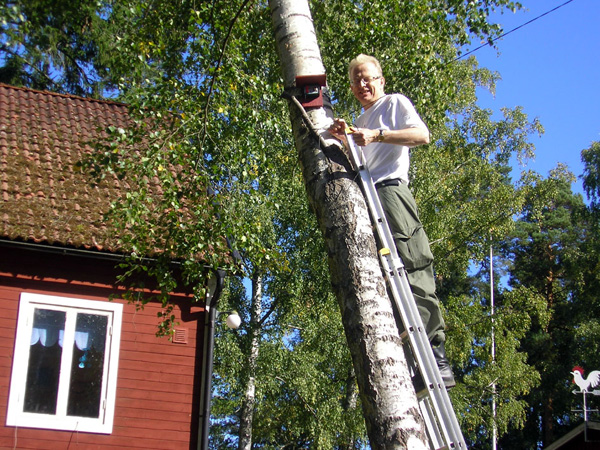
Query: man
x,y
387,129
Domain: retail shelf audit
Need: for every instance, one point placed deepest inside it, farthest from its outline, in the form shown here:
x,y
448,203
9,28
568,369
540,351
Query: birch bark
x,y
389,403
247,410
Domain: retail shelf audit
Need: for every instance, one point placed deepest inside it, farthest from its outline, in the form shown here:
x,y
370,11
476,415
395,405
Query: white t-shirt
x,y
390,112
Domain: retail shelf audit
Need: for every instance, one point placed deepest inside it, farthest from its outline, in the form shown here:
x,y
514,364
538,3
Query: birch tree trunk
x,y
389,403
247,410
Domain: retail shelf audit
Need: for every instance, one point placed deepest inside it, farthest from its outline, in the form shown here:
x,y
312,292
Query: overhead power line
x,y
513,30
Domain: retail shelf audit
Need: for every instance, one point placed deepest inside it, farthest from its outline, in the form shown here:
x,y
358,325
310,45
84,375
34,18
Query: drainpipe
x,y
207,359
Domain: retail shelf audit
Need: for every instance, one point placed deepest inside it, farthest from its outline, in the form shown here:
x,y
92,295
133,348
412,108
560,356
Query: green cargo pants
x,y
413,247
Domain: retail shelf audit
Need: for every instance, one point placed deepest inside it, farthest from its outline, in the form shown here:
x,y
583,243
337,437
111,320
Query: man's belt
x,y
392,182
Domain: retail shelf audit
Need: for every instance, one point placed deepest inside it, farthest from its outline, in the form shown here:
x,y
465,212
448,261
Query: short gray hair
x,y
363,59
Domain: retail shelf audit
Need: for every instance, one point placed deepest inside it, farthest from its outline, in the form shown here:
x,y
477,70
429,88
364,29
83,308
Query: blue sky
x,y
550,67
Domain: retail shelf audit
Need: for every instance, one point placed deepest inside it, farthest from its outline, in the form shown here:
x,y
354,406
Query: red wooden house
x,y
78,370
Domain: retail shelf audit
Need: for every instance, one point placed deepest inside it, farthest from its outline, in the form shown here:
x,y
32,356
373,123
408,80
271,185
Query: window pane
x,y
87,367
45,353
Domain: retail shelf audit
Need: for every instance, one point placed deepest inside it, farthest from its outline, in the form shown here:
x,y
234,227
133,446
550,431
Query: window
x,y
65,362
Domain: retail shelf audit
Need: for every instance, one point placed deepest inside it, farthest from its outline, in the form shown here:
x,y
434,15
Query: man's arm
x,y
411,137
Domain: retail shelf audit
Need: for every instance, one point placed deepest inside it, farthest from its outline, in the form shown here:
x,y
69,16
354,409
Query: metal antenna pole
x,y
494,427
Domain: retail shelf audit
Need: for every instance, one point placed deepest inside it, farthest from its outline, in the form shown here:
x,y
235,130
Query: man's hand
x,y
361,136
364,136
338,129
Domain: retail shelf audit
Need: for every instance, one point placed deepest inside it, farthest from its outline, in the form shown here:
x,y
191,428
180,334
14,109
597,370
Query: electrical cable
x,y
458,58
509,32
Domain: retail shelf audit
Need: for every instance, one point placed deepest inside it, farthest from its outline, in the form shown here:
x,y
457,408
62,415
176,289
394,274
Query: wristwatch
x,y
380,136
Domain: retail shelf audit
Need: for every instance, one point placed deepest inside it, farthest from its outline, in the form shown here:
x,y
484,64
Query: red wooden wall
x,y
158,380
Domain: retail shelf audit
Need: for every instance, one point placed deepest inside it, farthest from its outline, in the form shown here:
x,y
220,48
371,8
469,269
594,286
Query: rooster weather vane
x,y
585,385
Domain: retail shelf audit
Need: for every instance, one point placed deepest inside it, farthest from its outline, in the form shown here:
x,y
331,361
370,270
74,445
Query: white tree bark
x,y
247,410
389,403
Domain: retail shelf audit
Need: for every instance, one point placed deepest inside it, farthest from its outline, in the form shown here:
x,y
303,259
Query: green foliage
x,y
462,183
54,45
416,43
203,85
548,250
508,376
591,175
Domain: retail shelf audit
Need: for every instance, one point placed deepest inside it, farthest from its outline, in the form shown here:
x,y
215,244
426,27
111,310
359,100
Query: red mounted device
x,y
312,90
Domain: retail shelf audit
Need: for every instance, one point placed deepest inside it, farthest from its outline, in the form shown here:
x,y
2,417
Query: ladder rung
x,y
442,427
404,336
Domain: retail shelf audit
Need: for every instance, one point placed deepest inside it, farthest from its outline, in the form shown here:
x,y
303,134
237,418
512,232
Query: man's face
x,y
367,92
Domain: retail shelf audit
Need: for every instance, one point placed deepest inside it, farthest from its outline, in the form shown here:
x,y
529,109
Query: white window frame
x,y
61,421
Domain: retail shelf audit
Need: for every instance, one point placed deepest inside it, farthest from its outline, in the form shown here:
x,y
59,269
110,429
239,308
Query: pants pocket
x,y
414,251
403,218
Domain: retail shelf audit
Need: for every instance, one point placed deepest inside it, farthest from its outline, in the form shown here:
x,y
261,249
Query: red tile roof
x,y
43,197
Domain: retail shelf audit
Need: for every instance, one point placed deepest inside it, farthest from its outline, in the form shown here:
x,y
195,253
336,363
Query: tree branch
x,y
214,77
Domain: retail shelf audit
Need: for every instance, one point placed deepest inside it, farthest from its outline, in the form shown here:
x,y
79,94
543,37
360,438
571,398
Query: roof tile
x,y
43,199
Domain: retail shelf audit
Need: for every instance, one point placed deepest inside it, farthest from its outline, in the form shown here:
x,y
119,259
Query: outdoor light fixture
x,y
233,320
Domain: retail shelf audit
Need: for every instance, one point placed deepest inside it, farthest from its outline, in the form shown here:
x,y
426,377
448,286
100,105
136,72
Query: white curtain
x,y
47,336
89,333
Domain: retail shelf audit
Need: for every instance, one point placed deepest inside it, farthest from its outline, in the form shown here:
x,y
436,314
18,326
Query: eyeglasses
x,y
366,80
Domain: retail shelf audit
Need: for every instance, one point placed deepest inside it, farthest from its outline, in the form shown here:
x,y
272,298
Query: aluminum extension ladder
x,y
436,408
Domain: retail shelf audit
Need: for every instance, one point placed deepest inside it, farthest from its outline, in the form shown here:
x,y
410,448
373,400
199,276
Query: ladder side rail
x,y
433,430
406,305
393,265
422,353
411,318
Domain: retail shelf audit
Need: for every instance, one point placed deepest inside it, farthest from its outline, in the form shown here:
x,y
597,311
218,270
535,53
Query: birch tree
x,y
247,409
211,66
389,402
